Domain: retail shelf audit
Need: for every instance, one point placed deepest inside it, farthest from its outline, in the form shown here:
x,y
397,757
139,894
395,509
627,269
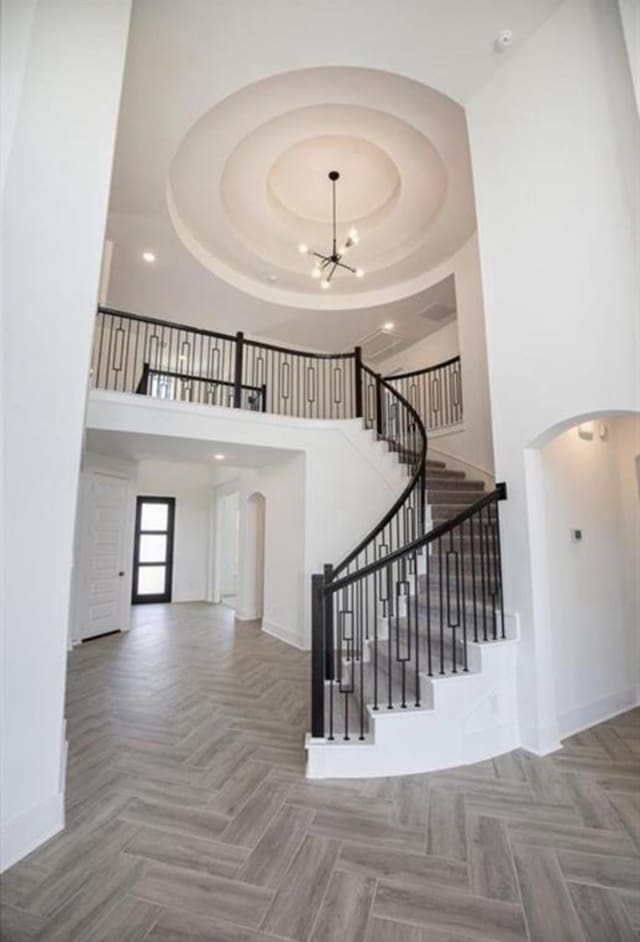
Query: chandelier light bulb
x,y
326,285
359,273
303,248
316,273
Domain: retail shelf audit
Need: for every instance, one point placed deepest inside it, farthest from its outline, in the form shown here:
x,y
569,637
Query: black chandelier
x,y
326,265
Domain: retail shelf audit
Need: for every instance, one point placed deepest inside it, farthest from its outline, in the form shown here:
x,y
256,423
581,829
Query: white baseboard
x,y
284,634
540,741
445,430
574,721
28,831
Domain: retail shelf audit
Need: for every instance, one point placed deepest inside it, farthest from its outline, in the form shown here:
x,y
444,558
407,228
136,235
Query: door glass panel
x,y
153,548
151,580
154,517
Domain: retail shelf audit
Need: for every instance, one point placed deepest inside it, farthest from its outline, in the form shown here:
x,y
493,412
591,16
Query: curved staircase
x,y
425,678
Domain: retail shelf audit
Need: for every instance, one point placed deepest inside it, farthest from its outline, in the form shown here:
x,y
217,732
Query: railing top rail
x,y
291,351
162,323
263,345
405,493
191,377
500,493
425,369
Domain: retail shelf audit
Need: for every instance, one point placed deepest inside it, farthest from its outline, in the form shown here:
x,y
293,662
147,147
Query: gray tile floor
x,y
189,817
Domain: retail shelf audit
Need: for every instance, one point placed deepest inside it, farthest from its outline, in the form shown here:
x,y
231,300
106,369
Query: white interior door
x,y
105,515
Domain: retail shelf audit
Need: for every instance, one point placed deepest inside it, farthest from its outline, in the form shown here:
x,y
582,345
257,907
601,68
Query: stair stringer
x,y
470,717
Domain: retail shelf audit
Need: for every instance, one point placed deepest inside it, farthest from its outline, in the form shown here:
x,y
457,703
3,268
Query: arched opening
x,y
227,550
254,559
585,524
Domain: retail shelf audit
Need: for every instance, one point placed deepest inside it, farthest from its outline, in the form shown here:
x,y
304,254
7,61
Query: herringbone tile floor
x,y
190,820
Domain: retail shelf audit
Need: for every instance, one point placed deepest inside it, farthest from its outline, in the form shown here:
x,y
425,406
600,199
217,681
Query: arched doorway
x,y
584,520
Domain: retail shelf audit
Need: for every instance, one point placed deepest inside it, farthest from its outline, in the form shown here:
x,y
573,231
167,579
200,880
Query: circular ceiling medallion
x,y
249,182
299,179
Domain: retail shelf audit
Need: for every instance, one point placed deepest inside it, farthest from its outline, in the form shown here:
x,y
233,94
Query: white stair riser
x,y
472,717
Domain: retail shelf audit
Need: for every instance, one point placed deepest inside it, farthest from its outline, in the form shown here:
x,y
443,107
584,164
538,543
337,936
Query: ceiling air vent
x,y
438,312
381,344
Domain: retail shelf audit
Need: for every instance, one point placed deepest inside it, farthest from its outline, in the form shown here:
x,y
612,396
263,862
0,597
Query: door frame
x,y
137,533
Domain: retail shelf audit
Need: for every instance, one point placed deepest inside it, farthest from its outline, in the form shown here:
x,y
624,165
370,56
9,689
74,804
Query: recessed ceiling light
x,y
148,256
388,326
272,277
219,457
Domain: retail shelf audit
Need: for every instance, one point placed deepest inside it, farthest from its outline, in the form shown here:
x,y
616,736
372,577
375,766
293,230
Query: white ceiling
x,y
232,114
134,446
249,182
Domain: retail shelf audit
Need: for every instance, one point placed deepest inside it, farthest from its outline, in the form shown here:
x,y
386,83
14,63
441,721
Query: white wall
x,y
442,344
16,22
595,618
554,144
630,16
55,199
472,443
283,486
190,484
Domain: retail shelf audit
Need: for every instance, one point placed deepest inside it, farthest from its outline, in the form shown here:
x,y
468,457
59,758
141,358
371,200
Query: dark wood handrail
x,y
500,493
263,345
425,369
162,323
190,377
414,481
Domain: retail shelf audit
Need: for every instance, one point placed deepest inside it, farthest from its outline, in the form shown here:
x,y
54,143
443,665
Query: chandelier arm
x,y
348,267
333,271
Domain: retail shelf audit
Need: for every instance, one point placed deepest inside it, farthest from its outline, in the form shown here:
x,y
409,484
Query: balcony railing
x,y
209,367
435,392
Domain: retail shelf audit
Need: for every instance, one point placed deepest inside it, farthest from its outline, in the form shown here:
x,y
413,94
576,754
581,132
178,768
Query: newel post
x,y
357,378
142,389
237,378
329,644
317,656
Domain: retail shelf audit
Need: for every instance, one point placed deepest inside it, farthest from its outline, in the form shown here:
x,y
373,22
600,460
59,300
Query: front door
x,y
153,550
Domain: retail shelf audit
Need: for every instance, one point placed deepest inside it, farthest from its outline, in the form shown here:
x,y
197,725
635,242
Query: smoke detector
x,y
503,40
